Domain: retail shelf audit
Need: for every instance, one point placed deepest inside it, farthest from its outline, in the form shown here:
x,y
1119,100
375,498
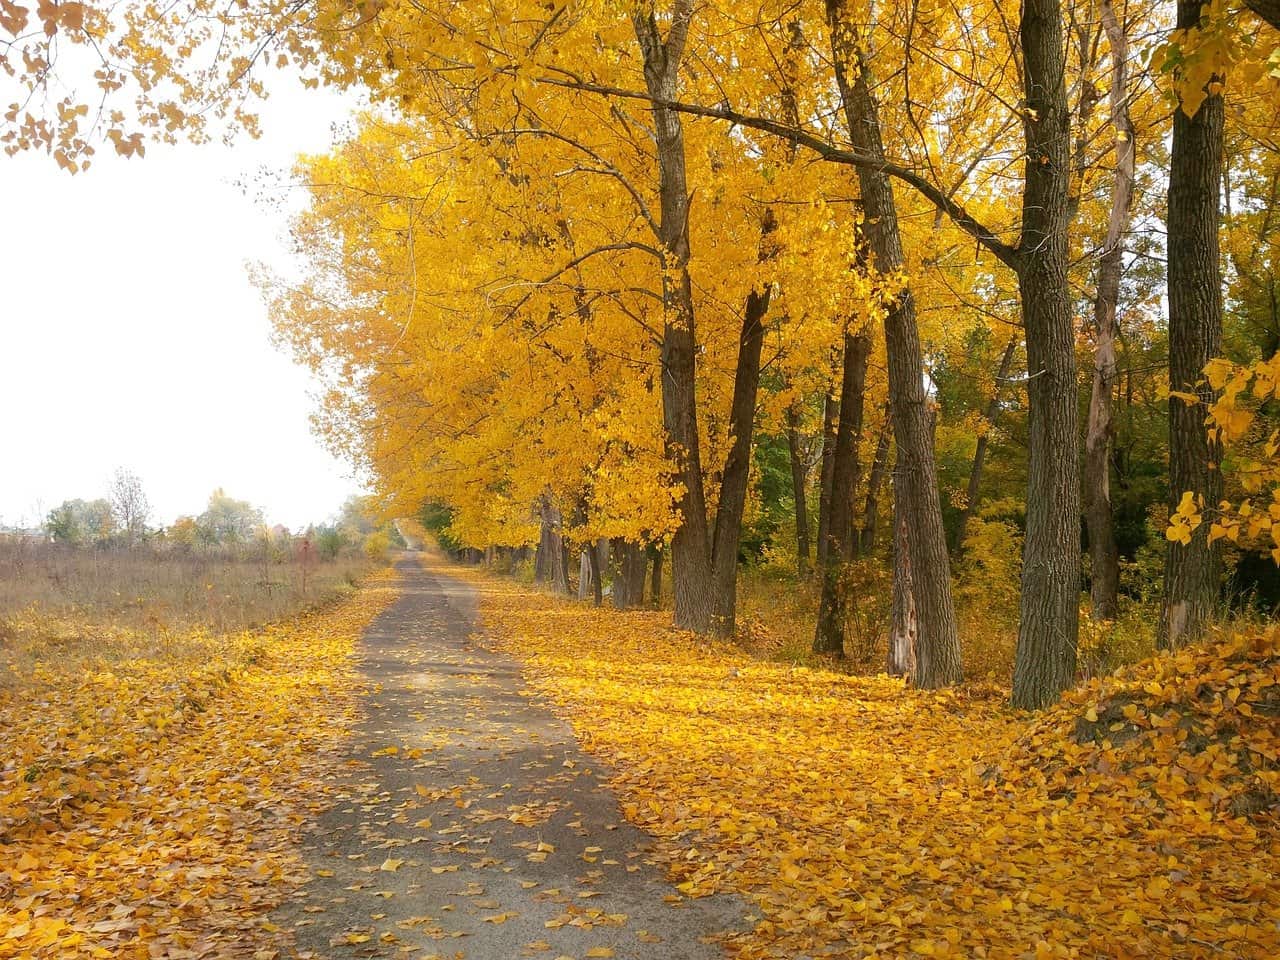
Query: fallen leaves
x,y
149,804
866,819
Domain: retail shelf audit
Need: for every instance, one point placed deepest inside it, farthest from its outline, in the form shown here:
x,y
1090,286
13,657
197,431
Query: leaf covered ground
x,y
151,798
1137,819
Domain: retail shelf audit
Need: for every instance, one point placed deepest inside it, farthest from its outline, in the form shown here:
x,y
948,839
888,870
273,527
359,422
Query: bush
x,y
377,546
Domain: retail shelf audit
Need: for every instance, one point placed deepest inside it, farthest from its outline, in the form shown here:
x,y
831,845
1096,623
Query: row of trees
x,y
122,518
582,253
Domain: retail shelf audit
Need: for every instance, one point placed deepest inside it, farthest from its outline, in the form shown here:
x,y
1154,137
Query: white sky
x,y
131,335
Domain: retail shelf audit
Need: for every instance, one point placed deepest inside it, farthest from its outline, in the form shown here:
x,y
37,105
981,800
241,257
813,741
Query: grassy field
x,y
62,606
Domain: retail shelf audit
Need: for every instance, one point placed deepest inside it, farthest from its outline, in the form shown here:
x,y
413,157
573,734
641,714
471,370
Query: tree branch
x,y
1004,252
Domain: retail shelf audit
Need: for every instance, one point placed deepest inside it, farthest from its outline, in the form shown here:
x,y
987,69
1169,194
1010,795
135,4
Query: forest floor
x,y
860,819
452,765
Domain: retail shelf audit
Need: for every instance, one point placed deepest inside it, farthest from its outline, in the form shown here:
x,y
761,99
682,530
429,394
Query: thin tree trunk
x,y
829,636
602,555
542,556
1192,571
903,625
561,581
798,487
830,422
655,585
1104,584
879,467
593,570
737,467
1045,660
584,574
938,645
980,453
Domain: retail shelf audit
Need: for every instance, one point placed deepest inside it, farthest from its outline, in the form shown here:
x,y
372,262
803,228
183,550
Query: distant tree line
x,y
121,519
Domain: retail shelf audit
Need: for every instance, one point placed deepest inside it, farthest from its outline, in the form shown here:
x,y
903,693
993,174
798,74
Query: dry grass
x,y
62,606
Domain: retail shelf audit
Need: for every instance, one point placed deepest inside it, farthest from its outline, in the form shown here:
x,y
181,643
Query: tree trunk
x,y
655,585
798,487
1104,584
551,563
593,570
737,467
1192,571
830,421
828,636
980,454
879,467
916,489
584,574
903,625
1045,661
628,574
691,542
543,554
561,576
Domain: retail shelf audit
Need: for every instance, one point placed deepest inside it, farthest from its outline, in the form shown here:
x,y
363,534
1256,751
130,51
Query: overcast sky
x,y
131,336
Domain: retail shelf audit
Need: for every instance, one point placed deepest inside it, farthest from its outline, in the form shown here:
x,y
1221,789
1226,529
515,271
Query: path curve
x,y
487,834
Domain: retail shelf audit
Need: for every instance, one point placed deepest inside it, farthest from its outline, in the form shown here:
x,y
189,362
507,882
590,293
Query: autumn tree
x,y
1205,42
129,505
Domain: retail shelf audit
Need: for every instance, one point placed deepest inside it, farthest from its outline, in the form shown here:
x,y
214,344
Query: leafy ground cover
x,y
151,797
1136,819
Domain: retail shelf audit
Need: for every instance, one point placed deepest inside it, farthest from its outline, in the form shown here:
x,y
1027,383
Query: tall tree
x,y
799,482
829,633
1193,569
916,486
1045,661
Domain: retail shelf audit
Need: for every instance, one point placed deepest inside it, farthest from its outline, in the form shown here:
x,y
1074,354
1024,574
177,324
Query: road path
x,y
487,834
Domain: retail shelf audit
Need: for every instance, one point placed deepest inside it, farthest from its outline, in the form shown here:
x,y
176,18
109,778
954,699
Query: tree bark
x,y
829,633
655,584
875,481
1045,660
1104,587
593,569
629,570
584,574
938,646
552,557
798,488
561,575
903,625
980,453
830,422
542,566
737,467
704,557
1192,571
691,542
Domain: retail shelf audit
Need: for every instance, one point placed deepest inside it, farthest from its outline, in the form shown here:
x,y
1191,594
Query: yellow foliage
x,y
149,804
